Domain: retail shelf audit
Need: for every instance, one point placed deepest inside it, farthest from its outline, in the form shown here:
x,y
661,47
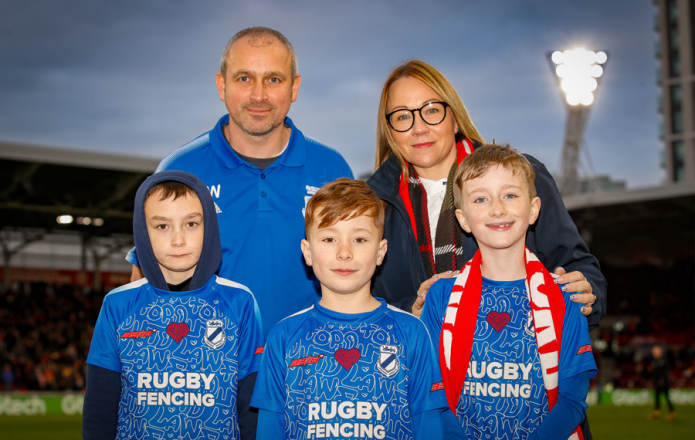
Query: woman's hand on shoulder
x,y
577,282
424,288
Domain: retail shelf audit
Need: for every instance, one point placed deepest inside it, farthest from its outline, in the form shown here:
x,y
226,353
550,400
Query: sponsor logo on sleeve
x,y
437,386
584,349
388,363
259,350
214,335
309,360
138,334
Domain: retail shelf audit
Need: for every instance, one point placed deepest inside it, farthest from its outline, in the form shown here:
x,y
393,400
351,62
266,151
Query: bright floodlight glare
x,y
601,57
578,69
587,98
98,222
573,98
596,71
557,57
64,219
87,221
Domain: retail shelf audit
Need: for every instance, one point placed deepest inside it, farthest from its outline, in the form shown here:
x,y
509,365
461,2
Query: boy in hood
x,y
174,355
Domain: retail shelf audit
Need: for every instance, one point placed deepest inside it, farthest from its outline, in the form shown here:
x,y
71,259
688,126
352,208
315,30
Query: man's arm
x,y
555,240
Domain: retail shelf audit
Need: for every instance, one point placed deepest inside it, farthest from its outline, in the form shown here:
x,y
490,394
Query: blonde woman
x,y
423,133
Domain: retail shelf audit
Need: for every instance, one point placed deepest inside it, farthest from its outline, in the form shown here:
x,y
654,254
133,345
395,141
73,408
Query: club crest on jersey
x,y
528,325
388,363
214,335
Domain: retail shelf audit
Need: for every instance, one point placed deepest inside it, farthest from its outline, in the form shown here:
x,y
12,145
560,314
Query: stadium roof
x,y
38,184
631,227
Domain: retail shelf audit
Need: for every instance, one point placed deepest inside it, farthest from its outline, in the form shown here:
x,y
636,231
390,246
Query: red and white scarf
x,y
456,340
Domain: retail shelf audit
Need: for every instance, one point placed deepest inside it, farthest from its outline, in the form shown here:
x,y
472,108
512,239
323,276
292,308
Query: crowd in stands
x,y
45,335
46,331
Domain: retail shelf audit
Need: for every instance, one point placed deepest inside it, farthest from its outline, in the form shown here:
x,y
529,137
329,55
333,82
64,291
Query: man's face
x,y
344,255
498,209
176,232
258,88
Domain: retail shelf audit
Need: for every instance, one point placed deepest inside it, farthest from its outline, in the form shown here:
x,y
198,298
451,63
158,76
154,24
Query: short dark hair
x,y
483,158
258,33
169,187
344,199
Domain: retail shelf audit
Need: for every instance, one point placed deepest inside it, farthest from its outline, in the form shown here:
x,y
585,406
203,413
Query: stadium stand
x,y
51,299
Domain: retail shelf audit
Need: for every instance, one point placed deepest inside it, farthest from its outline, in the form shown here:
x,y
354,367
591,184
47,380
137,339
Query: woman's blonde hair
x,y
385,146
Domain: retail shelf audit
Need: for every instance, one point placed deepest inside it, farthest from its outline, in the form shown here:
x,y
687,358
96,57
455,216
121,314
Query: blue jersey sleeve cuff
x,y
99,361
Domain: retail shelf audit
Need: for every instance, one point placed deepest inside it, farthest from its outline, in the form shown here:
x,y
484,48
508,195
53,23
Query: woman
x,y
423,133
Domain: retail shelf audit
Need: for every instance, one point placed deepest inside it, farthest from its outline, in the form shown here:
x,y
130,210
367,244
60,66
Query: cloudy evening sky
x,y
136,77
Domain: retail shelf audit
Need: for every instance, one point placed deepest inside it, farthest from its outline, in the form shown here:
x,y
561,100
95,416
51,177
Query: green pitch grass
x,y
607,423
53,427
631,423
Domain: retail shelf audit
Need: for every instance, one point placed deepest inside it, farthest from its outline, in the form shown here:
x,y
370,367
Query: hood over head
x,y
211,253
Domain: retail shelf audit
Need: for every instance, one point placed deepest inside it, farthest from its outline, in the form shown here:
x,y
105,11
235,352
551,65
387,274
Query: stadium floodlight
x,y
98,222
578,72
64,219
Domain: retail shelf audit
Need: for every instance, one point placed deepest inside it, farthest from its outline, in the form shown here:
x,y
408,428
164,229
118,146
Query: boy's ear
x,y
306,251
463,221
381,253
535,210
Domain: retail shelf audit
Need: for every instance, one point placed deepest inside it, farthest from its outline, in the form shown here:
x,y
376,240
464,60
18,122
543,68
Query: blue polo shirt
x,y
261,214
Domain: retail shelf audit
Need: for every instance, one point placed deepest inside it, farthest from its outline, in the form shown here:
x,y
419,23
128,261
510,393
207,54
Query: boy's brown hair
x,y
477,164
169,187
344,199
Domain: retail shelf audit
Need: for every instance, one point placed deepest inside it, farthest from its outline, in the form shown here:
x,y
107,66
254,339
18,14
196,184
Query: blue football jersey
x,y
338,375
261,213
180,355
503,396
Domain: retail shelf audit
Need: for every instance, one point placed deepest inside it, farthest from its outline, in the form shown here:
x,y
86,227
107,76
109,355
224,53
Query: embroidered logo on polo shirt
x,y
310,191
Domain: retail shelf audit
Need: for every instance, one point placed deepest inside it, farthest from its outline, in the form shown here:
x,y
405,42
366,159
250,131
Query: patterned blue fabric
x,y
261,213
180,355
338,375
504,396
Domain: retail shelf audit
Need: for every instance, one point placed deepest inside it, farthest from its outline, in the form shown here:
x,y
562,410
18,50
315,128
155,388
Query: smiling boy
x,y
514,352
174,355
350,366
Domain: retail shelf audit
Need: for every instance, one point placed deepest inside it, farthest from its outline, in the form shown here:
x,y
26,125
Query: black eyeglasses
x,y
433,113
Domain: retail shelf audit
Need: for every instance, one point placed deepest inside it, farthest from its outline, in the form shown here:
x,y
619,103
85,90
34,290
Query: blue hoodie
x,y
183,350
211,255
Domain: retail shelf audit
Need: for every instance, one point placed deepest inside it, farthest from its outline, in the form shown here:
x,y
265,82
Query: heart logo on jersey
x,y
178,331
347,358
498,320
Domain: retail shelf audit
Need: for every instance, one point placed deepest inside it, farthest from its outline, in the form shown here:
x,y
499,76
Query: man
x,y
261,170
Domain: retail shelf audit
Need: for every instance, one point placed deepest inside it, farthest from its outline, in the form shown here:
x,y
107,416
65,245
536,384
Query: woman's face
x,y
430,148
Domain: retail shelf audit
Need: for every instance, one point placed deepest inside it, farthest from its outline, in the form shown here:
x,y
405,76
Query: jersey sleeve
x,y
250,337
433,312
103,351
269,393
424,390
576,354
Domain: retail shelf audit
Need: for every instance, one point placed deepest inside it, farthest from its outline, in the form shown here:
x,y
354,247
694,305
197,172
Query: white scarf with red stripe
x,y
456,340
